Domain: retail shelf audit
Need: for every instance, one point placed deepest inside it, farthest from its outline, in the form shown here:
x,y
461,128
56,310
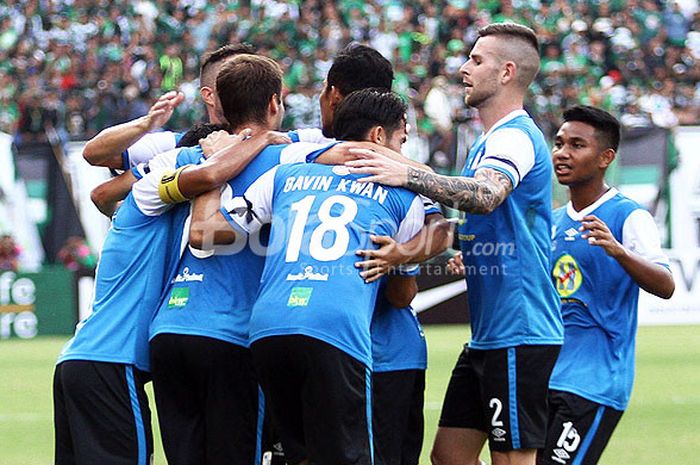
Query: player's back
x,y
310,286
138,254
212,293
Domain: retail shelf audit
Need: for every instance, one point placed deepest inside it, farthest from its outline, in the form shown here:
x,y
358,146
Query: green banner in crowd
x,y
33,304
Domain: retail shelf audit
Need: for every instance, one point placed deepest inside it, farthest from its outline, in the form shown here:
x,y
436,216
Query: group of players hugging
x,y
262,280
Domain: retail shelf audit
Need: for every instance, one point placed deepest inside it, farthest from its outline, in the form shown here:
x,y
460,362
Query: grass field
x,y
662,424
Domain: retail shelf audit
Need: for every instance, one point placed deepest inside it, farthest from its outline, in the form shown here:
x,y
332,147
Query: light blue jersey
x,y
139,254
398,341
213,292
599,300
320,216
507,253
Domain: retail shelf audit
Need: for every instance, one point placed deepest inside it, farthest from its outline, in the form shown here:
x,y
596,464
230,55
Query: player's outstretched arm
x,y
433,239
401,290
107,195
481,194
106,148
652,277
208,226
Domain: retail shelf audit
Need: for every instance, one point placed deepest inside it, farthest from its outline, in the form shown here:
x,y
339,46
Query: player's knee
x,y
436,457
442,456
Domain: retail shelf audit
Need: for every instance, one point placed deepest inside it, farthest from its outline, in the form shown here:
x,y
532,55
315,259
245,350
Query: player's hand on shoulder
x,y
598,234
455,265
163,109
276,138
219,140
380,168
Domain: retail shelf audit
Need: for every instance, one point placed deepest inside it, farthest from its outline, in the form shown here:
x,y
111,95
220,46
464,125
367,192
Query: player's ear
x,y
605,158
377,135
208,95
334,96
275,104
508,72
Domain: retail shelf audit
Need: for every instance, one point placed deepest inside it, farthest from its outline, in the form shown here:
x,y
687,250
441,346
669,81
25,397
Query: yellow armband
x,y
168,190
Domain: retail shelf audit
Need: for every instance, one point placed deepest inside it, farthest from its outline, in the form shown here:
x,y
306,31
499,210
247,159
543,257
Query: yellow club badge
x,y
567,275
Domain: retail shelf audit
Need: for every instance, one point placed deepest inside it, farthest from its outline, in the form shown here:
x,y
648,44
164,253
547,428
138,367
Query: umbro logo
x,y
571,234
499,434
561,456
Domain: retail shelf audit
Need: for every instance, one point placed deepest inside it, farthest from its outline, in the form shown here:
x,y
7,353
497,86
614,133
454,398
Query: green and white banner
x,y
33,304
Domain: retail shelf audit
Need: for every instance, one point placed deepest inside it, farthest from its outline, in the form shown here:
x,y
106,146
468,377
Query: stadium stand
x,y
81,66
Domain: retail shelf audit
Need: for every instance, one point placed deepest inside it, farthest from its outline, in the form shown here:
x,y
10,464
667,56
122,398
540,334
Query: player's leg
x,y
108,413
461,433
515,388
277,361
233,422
63,444
415,425
337,404
397,407
579,430
457,446
177,392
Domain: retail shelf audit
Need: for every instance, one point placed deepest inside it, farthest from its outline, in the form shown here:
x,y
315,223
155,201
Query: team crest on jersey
x,y
299,297
567,275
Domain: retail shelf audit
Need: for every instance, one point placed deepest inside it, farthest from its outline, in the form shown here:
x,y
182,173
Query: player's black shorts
x,y
578,430
319,398
502,392
101,414
208,400
397,401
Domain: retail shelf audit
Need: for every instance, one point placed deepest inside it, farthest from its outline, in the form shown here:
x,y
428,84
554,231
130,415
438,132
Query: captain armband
x,y
168,189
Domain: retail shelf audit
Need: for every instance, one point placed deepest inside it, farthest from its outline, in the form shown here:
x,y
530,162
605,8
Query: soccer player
x,y
126,145
498,388
606,247
310,326
206,392
399,352
101,412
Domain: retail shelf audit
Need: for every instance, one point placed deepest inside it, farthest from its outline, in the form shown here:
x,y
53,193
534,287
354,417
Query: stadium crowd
x,y
80,66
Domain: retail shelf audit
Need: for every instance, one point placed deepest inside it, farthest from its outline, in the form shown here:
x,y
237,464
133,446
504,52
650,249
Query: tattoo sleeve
x,y
481,194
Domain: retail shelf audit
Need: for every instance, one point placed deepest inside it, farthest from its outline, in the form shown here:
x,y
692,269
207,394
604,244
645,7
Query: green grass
x,y
660,425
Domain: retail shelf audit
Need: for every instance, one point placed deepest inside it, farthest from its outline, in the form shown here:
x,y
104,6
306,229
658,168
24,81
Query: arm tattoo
x,y
481,194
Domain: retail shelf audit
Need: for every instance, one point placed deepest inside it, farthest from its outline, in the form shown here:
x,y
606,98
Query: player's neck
x,y
496,110
583,195
255,127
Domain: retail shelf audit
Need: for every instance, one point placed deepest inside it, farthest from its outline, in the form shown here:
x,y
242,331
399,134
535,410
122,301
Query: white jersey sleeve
x,y
146,190
299,151
313,135
412,222
429,205
510,151
149,146
249,212
639,234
